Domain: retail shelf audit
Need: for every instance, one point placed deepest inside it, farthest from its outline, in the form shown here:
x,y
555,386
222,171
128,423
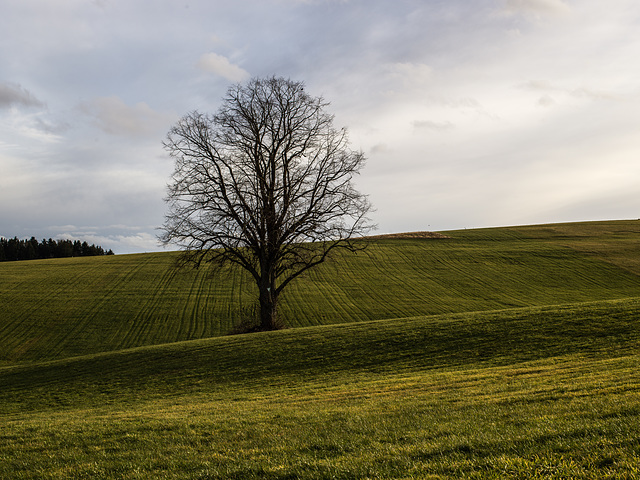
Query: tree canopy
x,y
15,249
266,183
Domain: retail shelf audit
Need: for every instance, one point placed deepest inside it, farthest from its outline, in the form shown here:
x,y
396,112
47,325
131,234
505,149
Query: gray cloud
x,y
379,148
52,127
546,101
554,7
13,95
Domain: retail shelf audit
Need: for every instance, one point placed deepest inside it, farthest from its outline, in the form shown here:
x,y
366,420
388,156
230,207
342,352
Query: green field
x,y
64,307
497,353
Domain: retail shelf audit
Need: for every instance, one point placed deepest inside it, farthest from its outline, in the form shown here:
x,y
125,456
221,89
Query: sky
x,y
471,113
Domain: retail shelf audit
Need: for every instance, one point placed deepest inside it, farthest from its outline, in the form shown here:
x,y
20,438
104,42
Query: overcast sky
x,y
471,113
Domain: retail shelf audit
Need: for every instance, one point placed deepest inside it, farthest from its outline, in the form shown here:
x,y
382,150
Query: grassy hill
x,y
60,308
497,353
538,392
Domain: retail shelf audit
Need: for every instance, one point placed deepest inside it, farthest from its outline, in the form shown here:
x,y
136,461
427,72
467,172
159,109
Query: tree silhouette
x,y
265,183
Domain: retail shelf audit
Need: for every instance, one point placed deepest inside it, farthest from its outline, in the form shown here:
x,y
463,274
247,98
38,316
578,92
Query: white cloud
x,y
580,92
219,65
120,239
115,117
30,130
431,125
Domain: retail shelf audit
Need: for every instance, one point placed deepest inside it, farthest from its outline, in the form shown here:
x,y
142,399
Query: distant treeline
x,y
15,249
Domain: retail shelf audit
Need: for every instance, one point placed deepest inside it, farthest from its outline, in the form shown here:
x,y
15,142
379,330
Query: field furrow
x,y
151,307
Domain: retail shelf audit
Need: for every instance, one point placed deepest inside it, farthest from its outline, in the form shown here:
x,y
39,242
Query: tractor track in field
x,y
116,285
142,320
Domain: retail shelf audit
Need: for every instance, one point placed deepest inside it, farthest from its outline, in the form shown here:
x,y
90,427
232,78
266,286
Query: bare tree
x,y
265,183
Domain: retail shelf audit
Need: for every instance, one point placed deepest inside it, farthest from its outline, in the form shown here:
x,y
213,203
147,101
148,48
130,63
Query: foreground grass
x,y
54,309
560,418
547,392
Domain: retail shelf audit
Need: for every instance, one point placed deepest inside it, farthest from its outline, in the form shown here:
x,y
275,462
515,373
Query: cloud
x,y
12,94
409,75
219,65
119,238
115,117
430,125
578,92
379,148
537,7
546,101
53,128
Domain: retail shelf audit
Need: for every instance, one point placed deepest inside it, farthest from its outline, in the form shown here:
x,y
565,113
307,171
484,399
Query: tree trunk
x,y
268,306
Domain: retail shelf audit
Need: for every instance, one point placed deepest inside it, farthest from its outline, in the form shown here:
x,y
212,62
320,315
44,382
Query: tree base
x,y
252,327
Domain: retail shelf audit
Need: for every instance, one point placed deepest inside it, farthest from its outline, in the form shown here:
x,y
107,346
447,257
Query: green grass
x,y
65,307
498,353
544,392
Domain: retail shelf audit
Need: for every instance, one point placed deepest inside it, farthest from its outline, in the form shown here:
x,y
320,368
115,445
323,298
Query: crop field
x,y
496,353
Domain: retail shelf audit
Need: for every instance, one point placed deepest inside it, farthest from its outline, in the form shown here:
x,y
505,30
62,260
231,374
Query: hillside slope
x,y
61,308
538,392
597,330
